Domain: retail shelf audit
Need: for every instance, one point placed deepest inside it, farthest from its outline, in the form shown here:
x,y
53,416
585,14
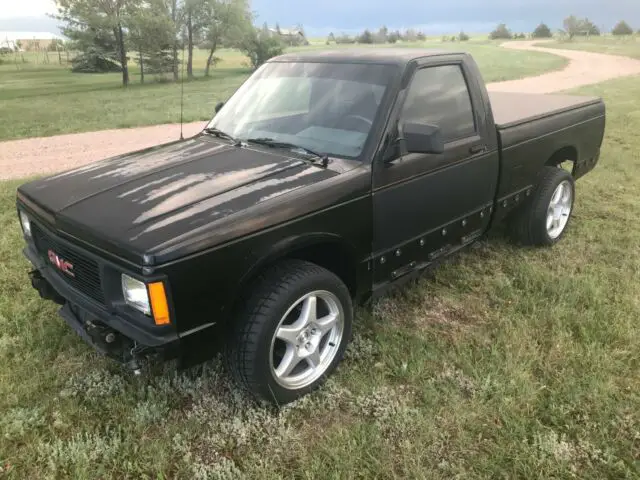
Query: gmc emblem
x,y
61,264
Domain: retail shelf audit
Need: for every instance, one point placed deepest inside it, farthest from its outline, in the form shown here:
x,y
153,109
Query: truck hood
x,y
136,201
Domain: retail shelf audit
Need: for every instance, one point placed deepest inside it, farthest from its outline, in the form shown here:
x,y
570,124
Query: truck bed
x,y
513,109
537,129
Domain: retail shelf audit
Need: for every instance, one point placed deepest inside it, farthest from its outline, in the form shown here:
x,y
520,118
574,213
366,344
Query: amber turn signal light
x,y
159,306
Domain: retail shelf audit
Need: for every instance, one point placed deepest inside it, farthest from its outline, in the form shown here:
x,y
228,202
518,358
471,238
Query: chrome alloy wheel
x,y
559,209
306,340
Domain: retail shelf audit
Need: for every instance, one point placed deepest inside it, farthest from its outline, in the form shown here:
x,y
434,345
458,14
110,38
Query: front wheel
x,y
544,220
291,333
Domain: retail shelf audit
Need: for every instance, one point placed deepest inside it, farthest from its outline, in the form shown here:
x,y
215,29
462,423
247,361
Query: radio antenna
x,y
182,92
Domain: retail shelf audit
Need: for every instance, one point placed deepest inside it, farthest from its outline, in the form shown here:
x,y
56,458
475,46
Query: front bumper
x,y
101,328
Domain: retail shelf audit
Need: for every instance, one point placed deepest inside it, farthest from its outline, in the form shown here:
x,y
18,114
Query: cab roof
x,y
389,56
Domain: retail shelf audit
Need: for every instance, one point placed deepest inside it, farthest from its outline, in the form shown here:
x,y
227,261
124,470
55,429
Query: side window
x,y
439,96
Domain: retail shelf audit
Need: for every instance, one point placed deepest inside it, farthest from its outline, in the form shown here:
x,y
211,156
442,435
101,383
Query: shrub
x,y
366,37
260,46
345,39
94,60
394,37
574,26
463,37
542,31
622,28
501,32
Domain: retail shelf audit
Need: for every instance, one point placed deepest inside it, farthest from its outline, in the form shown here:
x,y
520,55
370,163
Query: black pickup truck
x,y
326,178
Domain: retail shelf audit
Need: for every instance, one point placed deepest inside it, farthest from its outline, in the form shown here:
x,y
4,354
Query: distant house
x,y
28,41
291,36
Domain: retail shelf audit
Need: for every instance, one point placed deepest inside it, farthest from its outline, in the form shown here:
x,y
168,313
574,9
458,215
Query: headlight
x,y
135,294
26,224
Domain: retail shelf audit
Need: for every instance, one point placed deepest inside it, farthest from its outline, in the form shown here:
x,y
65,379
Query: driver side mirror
x,y
219,106
422,138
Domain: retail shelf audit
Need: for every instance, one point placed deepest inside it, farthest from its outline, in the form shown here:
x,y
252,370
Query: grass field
x,y
509,363
626,46
42,100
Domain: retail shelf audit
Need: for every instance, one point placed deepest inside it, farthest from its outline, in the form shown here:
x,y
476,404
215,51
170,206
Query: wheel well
x,y
331,255
334,257
565,154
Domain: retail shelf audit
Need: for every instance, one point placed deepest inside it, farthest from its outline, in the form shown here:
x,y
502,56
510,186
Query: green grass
x,y
47,99
509,363
625,46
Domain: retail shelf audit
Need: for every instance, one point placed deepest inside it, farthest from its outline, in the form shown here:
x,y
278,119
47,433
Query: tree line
x,y
383,35
572,27
111,33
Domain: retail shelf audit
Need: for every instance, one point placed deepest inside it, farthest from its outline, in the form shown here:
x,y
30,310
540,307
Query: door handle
x,y
477,149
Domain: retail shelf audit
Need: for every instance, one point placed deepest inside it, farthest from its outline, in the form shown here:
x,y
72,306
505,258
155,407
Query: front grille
x,y
86,270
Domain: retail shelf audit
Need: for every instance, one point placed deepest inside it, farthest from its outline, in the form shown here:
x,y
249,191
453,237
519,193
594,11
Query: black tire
x,y
529,225
248,353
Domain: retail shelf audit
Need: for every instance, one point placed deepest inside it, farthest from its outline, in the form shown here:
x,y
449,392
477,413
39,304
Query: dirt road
x,y
585,68
36,156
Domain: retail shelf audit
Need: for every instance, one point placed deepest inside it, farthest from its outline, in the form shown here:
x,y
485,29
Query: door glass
x,y
439,96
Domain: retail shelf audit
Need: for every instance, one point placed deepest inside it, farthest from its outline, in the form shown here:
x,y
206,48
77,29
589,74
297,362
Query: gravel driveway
x,y
585,68
37,156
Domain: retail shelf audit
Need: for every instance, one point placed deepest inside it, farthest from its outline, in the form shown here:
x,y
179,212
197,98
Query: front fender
x,y
286,247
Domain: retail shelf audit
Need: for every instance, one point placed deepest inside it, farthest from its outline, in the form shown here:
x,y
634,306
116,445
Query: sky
x,y
432,16
25,8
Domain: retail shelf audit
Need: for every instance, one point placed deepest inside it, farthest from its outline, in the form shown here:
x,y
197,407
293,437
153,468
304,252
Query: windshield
x,y
323,107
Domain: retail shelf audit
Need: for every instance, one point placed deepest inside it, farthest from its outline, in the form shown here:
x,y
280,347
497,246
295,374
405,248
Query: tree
x,y
501,32
331,38
542,31
571,26
622,28
590,28
345,39
382,36
175,13
366,37
575,26
259,45
151,35
225,21
421,37
98,50
394,37
100,17
193,13
463,37
410,35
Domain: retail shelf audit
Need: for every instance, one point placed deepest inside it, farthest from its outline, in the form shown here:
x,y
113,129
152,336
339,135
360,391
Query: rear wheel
x,y
291,333
544,219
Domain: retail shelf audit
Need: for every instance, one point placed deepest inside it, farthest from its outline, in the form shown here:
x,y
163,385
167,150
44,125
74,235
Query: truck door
x,y
428,205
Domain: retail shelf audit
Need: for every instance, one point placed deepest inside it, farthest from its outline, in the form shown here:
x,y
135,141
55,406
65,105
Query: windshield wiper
x,y
220,134
270,142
